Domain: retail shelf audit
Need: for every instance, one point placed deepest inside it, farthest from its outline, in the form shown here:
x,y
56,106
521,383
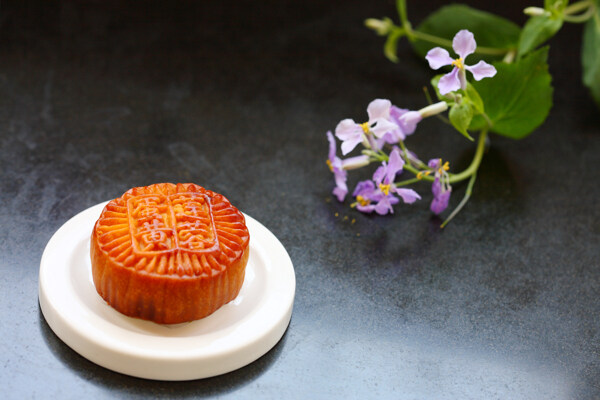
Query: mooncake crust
x,y
169,253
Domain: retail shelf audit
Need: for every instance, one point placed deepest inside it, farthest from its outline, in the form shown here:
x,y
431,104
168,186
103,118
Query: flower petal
x,y
367,190
395,165
336,165
396,112
349,145
388,137
340,192
378,108
340,176
464,43
331,141
481,70
366,209
408,195
441,197
434,163
347,129
364,188
380,173
448,83
350,133
408,122
440,203
438,57
385,205
436,187
383,126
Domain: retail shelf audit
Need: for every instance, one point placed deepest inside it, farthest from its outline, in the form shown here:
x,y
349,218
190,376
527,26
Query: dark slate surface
x,y
97,97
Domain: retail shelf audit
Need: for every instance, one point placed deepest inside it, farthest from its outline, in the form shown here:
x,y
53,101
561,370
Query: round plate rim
x,y
168,361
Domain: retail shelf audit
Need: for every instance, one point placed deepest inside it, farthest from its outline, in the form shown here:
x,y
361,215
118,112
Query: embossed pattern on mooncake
x,y
154,234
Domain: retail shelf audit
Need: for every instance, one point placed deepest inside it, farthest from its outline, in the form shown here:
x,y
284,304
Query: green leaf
x,y
473,96
478,123
460,116
490,30
590,55
536,31
518,99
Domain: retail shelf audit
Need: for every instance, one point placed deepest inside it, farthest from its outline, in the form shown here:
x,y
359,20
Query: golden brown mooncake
x,y
169,253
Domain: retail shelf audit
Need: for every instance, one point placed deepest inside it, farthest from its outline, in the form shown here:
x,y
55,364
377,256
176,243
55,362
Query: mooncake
x,y
169,253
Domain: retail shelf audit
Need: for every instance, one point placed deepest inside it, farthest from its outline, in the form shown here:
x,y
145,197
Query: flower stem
x,y
401,6
415,171
583,17
472,169
375,156
407,182
463,201
577,7
410,160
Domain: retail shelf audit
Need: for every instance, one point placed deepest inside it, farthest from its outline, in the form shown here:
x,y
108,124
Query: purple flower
x,y
441,197
381,189
368,198
434,163
339,174
351,133
440,188
463,44
406,123
406,120
339,167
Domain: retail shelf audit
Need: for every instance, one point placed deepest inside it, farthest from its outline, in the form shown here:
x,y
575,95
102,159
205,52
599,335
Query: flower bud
x,y
433,109
355,162
536,12
381,26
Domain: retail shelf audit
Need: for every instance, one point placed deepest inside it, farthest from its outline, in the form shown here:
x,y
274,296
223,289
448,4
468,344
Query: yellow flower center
x,y
421,174
365,127
384,188
362,200
458,63
329,165
444,167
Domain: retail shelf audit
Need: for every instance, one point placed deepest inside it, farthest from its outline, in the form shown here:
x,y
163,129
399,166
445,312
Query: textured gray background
x,y
97,97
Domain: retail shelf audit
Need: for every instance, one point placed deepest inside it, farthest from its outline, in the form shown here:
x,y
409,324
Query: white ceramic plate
x,y
232,337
